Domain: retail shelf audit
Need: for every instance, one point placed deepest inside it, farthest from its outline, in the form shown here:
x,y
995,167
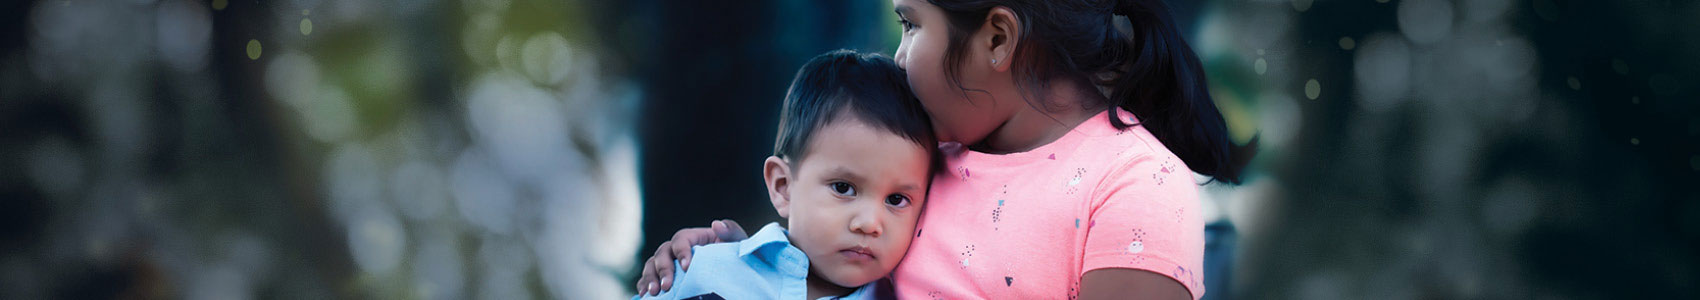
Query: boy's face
x,y
853,203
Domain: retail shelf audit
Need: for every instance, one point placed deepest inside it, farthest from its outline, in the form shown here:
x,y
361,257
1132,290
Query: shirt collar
x,y
770,235
867,291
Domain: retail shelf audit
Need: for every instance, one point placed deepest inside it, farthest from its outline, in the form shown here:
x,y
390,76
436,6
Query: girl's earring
x,y
994,62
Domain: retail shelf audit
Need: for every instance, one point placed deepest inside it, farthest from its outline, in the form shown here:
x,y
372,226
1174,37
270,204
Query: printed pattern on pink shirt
x,y
1028,225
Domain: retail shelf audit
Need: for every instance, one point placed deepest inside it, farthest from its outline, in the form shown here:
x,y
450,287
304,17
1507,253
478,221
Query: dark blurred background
x,y
500,149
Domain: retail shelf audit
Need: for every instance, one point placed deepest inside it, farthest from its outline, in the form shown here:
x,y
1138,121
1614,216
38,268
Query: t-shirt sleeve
x,y
1146,215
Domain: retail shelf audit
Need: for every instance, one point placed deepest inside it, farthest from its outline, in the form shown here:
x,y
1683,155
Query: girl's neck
x,y
1035,125
819,287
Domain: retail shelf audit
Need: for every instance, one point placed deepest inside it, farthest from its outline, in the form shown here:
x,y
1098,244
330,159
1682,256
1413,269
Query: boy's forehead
x,y
847,129
833,127
862,146
855,135
829,130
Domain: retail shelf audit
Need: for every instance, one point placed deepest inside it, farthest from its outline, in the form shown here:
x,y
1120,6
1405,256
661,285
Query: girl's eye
x,y
843,188
897,200
906,25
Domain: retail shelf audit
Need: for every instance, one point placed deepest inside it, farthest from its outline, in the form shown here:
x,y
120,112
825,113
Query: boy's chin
x,y
852,278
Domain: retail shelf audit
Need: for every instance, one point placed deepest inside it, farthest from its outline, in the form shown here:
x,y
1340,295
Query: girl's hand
x,y
658,270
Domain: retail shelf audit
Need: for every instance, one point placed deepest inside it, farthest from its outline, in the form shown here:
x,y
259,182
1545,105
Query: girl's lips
x,y
857,254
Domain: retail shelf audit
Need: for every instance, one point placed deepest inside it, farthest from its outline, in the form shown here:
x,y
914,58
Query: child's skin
x,y
851,203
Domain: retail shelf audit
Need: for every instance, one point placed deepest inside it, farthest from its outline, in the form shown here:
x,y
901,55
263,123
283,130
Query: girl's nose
x,y
902,56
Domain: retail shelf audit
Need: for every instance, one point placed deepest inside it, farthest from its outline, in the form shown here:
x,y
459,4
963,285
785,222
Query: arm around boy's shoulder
x,y
715,272
682,285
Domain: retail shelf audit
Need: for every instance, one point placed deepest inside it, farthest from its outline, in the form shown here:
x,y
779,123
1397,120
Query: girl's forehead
x,y
910,7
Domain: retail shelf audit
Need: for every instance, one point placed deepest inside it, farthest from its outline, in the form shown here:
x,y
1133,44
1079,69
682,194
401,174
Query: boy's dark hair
x,y
868,87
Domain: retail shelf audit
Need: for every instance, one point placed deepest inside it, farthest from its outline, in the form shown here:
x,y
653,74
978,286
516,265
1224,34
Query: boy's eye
x,y
843,188
897,200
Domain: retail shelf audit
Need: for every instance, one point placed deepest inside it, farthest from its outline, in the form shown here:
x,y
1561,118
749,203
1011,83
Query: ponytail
x,y
1164,86
1155,74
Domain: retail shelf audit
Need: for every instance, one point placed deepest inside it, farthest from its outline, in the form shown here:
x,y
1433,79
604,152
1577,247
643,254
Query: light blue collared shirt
x,y
764,266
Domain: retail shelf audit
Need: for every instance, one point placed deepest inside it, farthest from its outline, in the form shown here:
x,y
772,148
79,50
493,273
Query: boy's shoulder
x,y
716,252
756,252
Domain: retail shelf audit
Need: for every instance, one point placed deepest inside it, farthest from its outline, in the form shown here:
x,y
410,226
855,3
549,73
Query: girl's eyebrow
x,y
904,10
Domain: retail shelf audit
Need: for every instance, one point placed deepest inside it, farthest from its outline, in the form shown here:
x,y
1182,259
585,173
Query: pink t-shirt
x,y
1028,225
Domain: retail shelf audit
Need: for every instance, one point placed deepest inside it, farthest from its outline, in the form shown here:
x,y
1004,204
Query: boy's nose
x,y
866,222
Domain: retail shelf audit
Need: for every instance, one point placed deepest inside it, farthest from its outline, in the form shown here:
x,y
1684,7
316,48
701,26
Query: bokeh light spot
x,y
1313,89
1260,66
220,4
306,26
1348,43
377,242
253,49
1575,84
1382,71
1425,21
184,31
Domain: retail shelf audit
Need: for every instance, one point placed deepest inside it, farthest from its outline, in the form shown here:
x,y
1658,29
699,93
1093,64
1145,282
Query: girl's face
x,y
956,117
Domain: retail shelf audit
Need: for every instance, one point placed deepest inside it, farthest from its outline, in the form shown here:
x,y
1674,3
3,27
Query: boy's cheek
x,y
899,244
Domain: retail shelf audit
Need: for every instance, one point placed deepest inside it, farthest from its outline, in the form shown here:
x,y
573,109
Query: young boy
x,y
849,172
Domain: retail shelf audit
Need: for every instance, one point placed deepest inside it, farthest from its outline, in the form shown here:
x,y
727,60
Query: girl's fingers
x,y
659,268
682,252
664,267
728,231
648,278
682,243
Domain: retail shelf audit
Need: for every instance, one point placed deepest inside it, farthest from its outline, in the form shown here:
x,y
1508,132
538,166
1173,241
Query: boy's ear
x,y
777,173
1000,34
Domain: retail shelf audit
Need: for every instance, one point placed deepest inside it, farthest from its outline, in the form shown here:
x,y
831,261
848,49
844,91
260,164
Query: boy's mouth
x,y
857,254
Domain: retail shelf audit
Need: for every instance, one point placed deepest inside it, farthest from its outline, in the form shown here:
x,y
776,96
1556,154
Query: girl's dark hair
x,y
1154,74
868,87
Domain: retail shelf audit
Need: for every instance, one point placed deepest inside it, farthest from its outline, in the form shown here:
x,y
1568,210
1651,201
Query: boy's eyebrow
x,y
847,174
841,171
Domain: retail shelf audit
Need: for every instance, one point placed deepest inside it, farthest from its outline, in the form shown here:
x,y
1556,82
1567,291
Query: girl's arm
x,y
658,270
1118,283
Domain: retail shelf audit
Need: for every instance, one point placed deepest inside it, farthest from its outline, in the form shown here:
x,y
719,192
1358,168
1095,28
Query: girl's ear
x,y
777,173
999,36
